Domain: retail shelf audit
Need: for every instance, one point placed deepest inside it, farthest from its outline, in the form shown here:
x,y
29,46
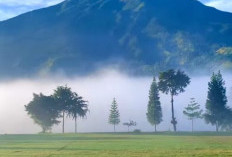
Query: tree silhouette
x,y
154,111
114,117
78,108
44,111
216,109
130,124
193,111
65,99
173,82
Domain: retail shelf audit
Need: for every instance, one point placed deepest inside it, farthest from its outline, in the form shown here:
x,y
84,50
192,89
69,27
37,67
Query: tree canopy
x,y
173,82
193,111
78,108
130,124
114,117
216,109
154,110
65,100
44,111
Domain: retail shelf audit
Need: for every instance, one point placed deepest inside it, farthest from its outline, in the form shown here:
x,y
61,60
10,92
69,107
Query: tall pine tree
x,y
154,111
114,117
216,108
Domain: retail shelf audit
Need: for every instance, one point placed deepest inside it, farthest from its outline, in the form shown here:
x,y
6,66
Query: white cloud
x,y
12,8
6,14
224,5
29,2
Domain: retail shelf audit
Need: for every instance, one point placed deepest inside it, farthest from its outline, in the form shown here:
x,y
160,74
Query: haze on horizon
x,y
100,89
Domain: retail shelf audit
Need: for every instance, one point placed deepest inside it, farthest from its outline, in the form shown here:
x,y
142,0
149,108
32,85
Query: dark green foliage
x,y
44,111
78,108
64,99
144,35
227,121
216,109
193,111
173,82
114,117
130,124
70,103
137,131
154,110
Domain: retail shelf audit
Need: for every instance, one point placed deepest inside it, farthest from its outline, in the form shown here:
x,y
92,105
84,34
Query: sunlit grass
x,y
116,145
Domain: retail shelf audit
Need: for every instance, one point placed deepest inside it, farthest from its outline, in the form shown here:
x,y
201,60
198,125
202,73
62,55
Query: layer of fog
x,y
131,94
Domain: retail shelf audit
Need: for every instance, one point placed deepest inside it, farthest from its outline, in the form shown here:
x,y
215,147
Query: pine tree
x,y
114,117
216,108
193,111
154,111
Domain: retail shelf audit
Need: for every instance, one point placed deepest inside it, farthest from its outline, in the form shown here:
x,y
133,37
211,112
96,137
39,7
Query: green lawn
x,y
116,145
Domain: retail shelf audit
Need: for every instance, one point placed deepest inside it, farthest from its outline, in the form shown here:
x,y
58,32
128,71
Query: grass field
x,y
116,145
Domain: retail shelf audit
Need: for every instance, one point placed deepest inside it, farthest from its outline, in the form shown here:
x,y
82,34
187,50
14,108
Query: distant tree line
x,y
46,111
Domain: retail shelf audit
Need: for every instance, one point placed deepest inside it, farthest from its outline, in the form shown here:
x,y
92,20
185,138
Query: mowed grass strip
x,y
115,145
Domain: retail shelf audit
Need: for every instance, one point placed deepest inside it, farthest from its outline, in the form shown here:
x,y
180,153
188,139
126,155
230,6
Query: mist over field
x,y
99,89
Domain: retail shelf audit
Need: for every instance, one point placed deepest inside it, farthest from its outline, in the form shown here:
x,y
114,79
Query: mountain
x,y
80,36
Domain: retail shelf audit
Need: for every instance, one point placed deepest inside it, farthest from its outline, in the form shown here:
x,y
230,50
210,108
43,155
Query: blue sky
x,y
11,8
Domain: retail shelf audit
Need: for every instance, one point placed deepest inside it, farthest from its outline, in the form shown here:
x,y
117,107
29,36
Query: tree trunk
x,y
114,127
155,128
192,125
173,116
43,130
75,124
216,126
63,124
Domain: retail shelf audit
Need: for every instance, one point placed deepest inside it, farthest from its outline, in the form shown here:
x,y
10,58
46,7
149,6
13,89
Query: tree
x,y
216,109
173,82
227,122
44,111
78,108
114,117
193,111
65,99
154,111
130,124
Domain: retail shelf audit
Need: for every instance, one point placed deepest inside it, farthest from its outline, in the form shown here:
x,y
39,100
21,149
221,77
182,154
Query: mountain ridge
x,y
77,36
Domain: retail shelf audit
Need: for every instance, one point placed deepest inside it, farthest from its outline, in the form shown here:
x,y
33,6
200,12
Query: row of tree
x,y
47,110
174,82
170,82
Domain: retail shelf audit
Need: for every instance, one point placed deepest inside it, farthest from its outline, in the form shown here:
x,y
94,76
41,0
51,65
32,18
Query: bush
x,y
137,131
